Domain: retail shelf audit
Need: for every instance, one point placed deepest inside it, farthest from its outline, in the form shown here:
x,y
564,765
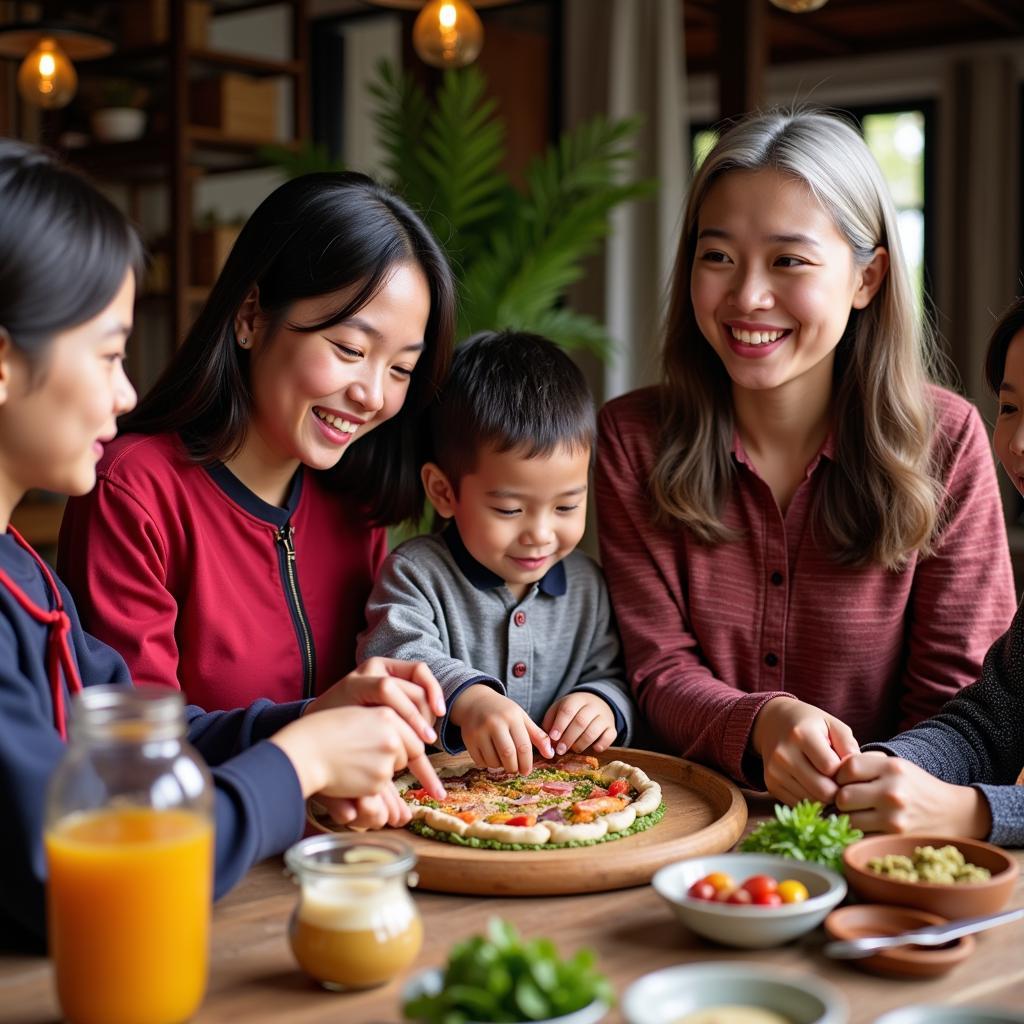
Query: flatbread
x,y
565,800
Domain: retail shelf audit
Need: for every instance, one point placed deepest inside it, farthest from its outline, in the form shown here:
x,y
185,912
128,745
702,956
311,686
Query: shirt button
x,y
771,659
777,578
519,618
519,669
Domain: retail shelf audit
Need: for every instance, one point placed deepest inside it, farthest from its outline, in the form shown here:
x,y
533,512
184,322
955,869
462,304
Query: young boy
x,y
515,624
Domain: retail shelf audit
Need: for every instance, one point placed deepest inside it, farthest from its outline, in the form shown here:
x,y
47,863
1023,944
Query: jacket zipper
x,y
284,537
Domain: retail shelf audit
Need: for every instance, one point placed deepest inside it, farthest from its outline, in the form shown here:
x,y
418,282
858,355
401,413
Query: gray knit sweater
x,y
434,602
977,739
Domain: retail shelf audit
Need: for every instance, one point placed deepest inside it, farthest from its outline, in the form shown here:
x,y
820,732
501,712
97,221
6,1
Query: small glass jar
x,y
355,925
129,849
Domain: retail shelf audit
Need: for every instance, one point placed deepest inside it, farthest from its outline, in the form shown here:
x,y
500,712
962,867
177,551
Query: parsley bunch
x,y
502,978
802,833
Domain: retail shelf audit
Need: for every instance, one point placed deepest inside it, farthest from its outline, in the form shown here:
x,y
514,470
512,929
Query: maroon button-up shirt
x,y
713,633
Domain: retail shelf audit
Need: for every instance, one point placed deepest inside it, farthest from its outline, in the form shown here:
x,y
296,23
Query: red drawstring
x,y
58,650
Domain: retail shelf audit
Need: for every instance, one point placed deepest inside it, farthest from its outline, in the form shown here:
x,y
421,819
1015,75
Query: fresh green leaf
x,y
802,833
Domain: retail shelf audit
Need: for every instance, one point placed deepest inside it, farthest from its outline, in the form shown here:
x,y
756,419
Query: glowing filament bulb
x,y
448,34
46,77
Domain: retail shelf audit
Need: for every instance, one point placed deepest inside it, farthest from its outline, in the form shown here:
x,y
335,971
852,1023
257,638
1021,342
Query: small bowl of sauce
x,y
355,924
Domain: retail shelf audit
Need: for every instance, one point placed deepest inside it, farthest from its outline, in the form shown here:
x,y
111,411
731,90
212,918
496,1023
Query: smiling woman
x,y
801,532
237,525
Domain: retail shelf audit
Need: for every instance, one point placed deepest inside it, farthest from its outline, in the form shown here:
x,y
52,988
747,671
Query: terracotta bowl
x,y
869,919
948,901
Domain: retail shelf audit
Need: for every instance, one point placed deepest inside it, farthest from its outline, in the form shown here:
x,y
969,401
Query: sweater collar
x,y
553,582
253,503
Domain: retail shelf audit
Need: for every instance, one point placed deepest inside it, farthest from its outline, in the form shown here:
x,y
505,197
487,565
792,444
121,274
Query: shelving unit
x,y
182,153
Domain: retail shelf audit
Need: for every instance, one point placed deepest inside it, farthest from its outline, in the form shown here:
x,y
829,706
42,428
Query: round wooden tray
x,y
705,813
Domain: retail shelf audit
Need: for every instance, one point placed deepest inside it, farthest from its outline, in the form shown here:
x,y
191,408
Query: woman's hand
x,y
407,687
354,752
801,747
889,794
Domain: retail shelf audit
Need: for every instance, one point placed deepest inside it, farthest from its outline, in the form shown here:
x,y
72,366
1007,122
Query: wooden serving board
x,y
705,813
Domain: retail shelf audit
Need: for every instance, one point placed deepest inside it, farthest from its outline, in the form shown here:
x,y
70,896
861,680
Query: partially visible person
x,y
955,773
802,534
513,621
69,264
236,528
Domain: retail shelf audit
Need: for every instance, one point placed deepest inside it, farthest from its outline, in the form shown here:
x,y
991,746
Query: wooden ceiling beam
x,y
830,45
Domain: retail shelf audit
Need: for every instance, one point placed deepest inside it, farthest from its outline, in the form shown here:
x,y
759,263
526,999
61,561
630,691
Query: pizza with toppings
x,y
568,800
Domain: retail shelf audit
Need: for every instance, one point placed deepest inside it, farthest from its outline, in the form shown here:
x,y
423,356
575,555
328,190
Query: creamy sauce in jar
x,y
733,1014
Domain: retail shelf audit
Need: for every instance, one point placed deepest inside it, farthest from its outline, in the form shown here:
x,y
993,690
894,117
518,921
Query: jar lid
x,y
350,856
128,713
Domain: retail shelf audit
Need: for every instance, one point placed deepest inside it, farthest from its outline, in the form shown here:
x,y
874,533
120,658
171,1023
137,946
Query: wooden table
x,y
254,979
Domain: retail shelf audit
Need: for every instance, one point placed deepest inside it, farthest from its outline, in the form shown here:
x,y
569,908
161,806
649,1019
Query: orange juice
x,y
129,912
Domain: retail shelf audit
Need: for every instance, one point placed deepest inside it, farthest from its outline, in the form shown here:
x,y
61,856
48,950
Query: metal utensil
x,y
936,935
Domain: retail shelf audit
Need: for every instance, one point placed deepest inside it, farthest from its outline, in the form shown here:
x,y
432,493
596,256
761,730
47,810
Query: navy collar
x,y
253,503
553,582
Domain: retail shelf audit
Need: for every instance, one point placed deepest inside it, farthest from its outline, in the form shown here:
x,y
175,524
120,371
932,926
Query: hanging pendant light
x,y
47,78
799,6
448,34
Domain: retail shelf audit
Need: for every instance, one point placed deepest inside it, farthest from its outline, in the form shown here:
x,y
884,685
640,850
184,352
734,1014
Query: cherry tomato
x,y
760,885
618,787
701,890
792,891
740,896
723,895
768,899
721,881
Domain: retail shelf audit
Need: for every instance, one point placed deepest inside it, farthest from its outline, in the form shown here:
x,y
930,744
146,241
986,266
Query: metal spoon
x,y
936,935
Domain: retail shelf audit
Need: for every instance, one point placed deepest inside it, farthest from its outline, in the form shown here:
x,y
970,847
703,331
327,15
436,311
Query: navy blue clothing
x,y
258,806
977,739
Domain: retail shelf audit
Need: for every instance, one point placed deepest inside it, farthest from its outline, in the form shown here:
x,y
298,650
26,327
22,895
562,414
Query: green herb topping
x,y
802,833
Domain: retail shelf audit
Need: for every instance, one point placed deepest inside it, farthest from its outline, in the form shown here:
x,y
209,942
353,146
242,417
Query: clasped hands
x,y
810,754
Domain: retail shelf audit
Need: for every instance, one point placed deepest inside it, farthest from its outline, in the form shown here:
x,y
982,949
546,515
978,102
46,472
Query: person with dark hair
x,y
514,623
954,773
238,521
68,268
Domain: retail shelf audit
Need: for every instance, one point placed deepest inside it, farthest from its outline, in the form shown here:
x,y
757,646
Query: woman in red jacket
x,y
802,534
237,523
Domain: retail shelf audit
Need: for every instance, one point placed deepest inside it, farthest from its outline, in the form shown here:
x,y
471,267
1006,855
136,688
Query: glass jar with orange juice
x,y
355,925
129,849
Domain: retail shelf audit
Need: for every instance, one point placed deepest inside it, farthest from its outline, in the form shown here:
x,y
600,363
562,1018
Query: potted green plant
x,y
515,251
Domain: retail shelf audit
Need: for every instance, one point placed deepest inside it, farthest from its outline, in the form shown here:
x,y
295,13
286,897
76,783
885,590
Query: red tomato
x,y
740,896
768,899
416,794
523,820
701,890
760,885
618,787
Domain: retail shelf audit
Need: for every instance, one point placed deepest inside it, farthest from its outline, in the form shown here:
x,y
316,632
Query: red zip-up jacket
x,y
202,585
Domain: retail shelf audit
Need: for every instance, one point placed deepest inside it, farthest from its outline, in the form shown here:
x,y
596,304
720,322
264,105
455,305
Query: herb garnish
x,y
802,833
504,978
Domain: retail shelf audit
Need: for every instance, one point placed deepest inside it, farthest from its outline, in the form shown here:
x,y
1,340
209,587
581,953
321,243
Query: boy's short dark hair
x,y
509,390
1003,333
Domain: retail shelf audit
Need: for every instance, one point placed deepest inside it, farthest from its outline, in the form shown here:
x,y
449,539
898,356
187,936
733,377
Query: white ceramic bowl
x,y
950,1015
429,983
744,925
666,996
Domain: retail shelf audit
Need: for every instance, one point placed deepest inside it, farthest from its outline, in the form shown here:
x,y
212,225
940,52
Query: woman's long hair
x,y
315,235
879,501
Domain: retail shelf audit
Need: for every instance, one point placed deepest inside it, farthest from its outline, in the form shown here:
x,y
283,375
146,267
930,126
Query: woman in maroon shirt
x,y
238,521
802,534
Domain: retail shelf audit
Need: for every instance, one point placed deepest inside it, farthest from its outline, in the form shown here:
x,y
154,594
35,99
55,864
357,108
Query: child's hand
x,y
580,721
407,687
386,808
497,732
888,794
801,747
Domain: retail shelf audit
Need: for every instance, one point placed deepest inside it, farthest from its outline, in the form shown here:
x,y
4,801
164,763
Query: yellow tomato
x,y
720,881
792,891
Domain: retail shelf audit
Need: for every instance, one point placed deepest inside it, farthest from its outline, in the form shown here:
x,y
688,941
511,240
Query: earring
x,y
244,342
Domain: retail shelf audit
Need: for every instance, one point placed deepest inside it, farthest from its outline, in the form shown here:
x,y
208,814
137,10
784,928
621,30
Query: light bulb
x,y
799,6
47,77
448,34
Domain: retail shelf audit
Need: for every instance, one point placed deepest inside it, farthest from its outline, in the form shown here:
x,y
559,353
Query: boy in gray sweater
x,y
515,624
